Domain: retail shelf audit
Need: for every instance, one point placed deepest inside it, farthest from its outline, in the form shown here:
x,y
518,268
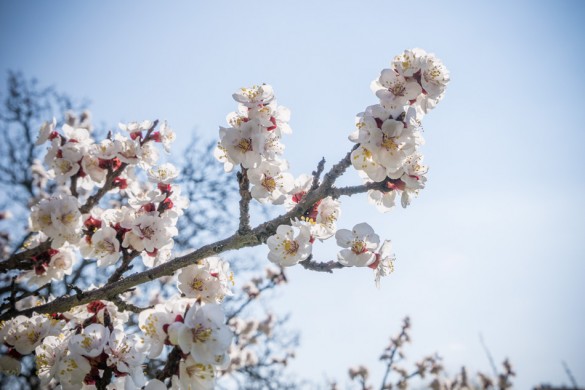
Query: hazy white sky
x,y
494,244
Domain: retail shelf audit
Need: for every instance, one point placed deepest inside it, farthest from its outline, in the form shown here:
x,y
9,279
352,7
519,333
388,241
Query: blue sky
x,y
494,244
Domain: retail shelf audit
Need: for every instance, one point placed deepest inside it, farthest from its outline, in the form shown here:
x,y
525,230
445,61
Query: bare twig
x,y
488,354
570,375
328,266
124,265
393,348
125,306
245,198
317,174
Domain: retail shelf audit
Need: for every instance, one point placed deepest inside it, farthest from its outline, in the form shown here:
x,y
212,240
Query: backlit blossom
x,y
205,335
164,173
269,182
45,132
105,246
194,375
209,281
384,263
91,341
254,96
289,245
59,218
360,242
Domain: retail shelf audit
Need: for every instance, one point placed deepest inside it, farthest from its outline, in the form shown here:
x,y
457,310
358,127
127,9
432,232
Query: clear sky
x,y
495,242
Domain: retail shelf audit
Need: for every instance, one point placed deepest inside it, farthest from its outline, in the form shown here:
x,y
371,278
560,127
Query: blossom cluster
x,y
193,324
387,138
388,133
145,225
112,201
73,347
253,141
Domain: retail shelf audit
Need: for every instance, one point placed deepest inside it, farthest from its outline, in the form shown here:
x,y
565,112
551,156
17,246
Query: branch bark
x,y
254,237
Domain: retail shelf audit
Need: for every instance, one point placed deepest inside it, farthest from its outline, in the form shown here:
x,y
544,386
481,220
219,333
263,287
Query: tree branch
x,y
245,198
320,267
255,237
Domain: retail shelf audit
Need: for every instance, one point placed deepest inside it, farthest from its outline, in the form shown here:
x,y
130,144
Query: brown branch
x,y
328,267
73,186
125,306
317,174
124,266
245,198
255,237
172,365
352,190
393,348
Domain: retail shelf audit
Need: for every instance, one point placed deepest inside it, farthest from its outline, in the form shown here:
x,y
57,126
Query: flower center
x,y
104,247
68,218
269,183
388,143
358,247
245,145
197,284
201,334
147,232
397,89
291,247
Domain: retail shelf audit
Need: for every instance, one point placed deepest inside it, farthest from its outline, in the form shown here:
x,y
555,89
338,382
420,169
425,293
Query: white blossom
x,y
105,246
361,241
59,218
194,375
210,280
164,173
205,335
289,245
25,334
124,354
258,95
47,128
384,263
270,183
48,355
394,90
91,341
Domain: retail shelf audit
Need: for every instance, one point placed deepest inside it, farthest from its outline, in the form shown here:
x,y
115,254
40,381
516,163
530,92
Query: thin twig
x,y
489,355
328,266
245,198
126,306
317,174
124,266
570,375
